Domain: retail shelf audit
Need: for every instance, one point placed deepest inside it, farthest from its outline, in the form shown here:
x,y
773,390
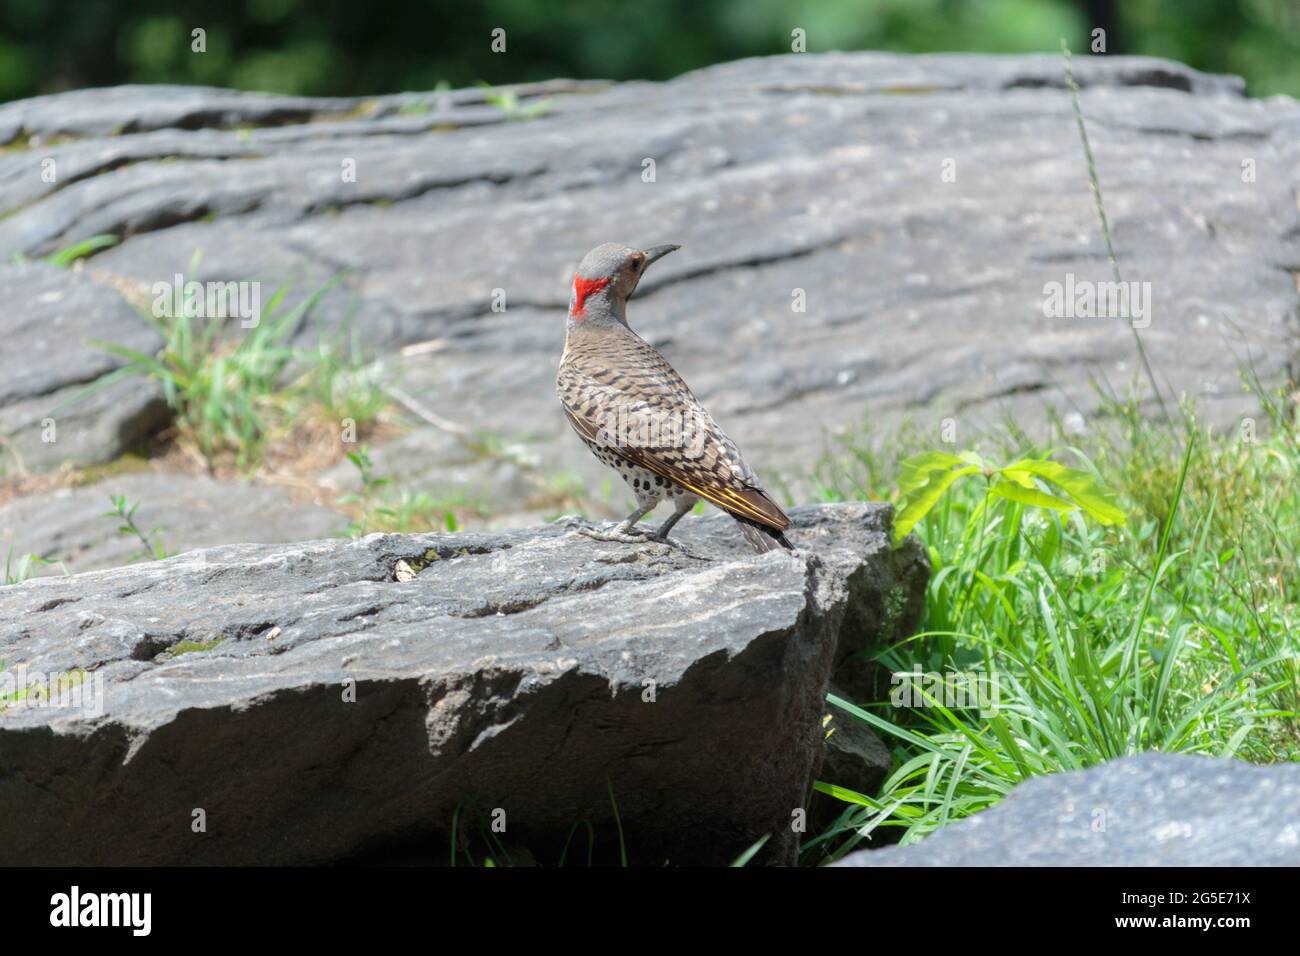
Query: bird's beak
x,y
655,253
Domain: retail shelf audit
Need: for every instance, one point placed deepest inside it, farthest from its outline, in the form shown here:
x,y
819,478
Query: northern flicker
x,y
637,415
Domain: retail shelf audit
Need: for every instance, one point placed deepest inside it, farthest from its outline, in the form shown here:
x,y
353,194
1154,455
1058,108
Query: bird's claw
x,y
638,536
685,551
630,536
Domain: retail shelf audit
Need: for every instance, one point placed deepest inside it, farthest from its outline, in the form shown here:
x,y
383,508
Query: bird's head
x,y
607,277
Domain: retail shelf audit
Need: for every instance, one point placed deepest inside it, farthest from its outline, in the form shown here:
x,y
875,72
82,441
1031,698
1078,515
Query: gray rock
x,y
813,172
855,758
116,111
1149,810
532,671
68,524
52,319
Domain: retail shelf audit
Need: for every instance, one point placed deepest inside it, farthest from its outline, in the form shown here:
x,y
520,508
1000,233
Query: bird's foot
x,y
661,537
623,535
617,533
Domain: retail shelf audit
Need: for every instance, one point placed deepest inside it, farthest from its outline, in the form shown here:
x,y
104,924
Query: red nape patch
x,y
582,289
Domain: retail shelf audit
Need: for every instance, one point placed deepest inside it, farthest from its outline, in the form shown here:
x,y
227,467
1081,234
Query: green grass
x,y
25,567
13,696
473,826
235,396
68,256
379,507
1176,631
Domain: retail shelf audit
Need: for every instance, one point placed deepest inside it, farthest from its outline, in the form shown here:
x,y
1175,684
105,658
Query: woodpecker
x,y
635,413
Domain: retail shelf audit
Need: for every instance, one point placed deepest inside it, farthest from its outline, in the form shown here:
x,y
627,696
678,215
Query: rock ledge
x,y
316,708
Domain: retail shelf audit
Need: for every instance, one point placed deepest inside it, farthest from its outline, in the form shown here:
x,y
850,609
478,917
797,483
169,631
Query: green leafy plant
x,y
26,566
380,508
151,544
1031,482
13,696
69,255
744,858
507,101
81,250
367,498
341,383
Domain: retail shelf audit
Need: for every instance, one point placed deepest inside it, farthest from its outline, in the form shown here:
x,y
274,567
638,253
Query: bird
x,y
637,415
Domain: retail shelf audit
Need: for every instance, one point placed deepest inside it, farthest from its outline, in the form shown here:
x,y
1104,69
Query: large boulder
x,y
921,204
341,699
1149,810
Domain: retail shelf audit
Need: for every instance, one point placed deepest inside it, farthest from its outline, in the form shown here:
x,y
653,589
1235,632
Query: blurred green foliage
x,y
346,47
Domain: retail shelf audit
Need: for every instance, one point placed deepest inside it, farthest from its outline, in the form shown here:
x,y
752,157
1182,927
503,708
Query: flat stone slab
x,y
918,204
335,699
1148,810
180,512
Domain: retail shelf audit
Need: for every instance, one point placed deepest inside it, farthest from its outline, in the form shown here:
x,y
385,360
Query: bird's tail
x,y
761,537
